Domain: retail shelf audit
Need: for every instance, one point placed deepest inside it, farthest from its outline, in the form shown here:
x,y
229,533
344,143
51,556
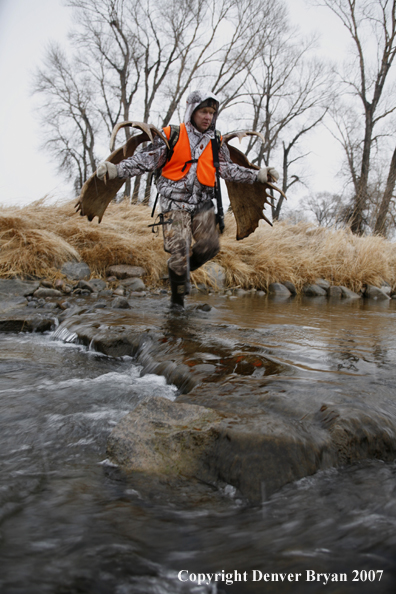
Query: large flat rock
x,y
23,321
14,287
10,304
162,437
255,451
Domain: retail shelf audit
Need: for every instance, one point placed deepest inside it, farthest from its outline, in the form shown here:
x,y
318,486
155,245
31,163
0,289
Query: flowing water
x,y
71,522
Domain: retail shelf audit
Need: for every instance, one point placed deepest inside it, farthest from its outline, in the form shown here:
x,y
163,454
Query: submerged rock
x,y
27,323
7,305
162,437
256,453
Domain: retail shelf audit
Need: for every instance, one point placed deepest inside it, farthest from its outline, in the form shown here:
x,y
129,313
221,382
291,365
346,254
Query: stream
x,y
71,522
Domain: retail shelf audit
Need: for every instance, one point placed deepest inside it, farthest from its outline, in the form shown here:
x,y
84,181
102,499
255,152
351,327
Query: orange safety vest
x,y
177,167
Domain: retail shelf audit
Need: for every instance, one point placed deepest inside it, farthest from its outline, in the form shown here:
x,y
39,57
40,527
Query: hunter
x,y
187,186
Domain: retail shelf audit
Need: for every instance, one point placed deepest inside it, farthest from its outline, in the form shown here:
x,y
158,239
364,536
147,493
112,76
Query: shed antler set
x,y
247,201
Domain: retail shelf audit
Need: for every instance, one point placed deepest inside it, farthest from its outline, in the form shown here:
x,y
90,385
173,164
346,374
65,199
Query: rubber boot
x,y
178,289
195,263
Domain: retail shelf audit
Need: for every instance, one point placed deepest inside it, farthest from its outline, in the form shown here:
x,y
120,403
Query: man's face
x,y
203,118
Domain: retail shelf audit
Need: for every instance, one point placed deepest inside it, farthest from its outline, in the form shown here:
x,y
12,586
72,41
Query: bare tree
x,y
366,79
188,47
327,208
289,94
67,116
141,56
384,206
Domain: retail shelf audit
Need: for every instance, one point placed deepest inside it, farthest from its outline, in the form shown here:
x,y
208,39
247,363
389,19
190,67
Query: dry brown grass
x,y
39,238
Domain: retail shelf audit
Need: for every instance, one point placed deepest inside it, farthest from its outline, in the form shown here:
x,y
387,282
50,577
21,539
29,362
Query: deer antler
x,y
96,194
147,128
241,134
248,201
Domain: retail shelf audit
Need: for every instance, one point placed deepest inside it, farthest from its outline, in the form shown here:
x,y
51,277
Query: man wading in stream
x,y
187,186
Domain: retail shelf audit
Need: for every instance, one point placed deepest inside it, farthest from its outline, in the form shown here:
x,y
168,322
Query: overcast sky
x,y
26,27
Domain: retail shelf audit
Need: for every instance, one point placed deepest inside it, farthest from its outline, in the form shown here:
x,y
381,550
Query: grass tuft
x,y
37,239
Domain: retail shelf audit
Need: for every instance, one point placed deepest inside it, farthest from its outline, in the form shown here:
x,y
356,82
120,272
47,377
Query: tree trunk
x,y
127,189
136,188
276,210
147,191
386,198
357,219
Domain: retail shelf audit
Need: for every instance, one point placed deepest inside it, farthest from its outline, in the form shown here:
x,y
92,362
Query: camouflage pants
x,y
181,229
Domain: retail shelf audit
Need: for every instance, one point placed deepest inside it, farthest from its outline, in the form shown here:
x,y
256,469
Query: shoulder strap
x,y
215,149
173,138
174,132
216,142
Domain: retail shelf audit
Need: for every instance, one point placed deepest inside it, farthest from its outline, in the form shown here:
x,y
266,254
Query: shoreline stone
x,y
76,270
349,294
43,292
290,286
314,290
279,290
124,271
372,292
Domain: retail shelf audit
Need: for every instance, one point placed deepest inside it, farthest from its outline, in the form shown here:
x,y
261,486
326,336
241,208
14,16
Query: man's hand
x,y
106,167
265,173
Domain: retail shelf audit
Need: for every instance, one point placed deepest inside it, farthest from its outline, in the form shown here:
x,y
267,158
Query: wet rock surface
x,y
15,287
163,437
23,322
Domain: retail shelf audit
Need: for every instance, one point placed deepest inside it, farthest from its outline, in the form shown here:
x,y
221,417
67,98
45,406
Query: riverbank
x,y
37,240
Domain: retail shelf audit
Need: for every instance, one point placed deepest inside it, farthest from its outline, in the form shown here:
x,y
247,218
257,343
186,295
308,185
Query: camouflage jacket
x,y
186,193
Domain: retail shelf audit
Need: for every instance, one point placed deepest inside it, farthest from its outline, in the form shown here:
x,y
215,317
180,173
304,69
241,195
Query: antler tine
x,y
276,189
147,128
241,134
115,131
266,220
117,128
271,199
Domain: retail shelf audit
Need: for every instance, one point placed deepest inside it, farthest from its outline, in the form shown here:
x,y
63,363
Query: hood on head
x,y
194,100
